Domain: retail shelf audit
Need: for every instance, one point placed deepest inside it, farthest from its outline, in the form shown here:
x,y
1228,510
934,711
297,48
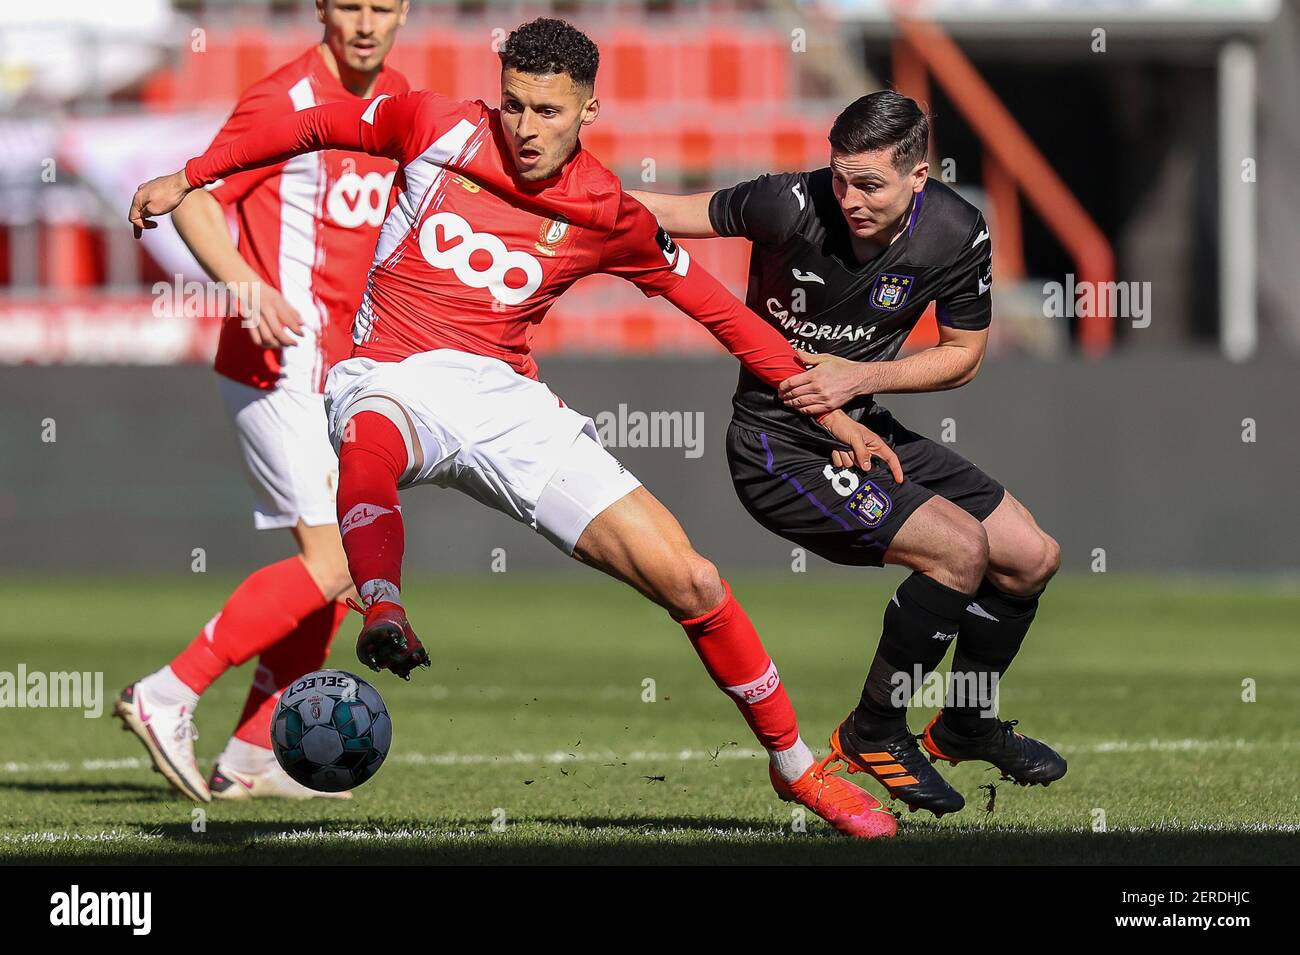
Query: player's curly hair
x,y
547,45
883,120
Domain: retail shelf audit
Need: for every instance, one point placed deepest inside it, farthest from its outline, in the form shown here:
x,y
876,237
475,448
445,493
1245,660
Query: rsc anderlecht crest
x,y
890,291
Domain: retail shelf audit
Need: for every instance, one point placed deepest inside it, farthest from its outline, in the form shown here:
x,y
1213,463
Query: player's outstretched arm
x,y
381,126
640,251
764,352
682,217
833,381
157,197
758,345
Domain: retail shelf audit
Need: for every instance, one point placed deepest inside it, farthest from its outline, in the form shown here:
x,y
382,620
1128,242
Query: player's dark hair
x,y
883,120
546,46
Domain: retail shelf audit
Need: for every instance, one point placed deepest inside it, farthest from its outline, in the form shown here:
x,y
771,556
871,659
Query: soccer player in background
x,y
307,231
501,210
845,261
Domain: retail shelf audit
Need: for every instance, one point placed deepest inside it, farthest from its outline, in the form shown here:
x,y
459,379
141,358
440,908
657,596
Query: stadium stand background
x,y
1176,142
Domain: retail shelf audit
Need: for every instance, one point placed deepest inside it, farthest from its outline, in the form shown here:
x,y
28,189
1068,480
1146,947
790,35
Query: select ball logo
x,y
331,731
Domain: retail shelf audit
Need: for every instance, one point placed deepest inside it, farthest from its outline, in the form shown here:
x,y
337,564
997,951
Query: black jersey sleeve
x,y
766,210
965,300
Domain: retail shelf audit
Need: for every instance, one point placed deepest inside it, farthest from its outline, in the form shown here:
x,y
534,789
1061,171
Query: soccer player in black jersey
x,y
845,260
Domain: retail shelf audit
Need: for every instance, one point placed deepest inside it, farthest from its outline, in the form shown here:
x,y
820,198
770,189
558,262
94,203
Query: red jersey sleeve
x,y
393,126
758,345
641,252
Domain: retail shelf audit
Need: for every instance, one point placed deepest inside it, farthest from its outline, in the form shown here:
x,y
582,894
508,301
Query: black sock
x,y
921,619
992,630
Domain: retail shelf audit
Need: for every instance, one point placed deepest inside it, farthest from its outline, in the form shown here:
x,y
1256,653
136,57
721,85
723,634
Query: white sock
x,y
244,757
791,763
165,688
377,590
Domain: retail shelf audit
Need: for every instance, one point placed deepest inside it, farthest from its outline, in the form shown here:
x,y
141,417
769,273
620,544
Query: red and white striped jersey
x,y
307,226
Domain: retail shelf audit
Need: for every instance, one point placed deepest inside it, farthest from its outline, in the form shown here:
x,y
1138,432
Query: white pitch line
x,y
1177,746
592,756
397,835
107,835
464,834
559,757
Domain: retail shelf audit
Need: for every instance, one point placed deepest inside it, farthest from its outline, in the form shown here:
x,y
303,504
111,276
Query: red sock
x,y
731,651
300,652
265,608
370,518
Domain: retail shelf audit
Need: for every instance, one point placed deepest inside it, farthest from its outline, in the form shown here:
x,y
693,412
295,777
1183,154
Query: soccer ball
x,y
331,731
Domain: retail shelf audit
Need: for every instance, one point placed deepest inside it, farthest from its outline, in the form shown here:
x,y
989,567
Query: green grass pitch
x,y
530,740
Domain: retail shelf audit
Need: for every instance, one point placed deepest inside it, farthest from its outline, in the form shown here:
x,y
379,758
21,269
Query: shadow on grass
x,y
129,792
667,840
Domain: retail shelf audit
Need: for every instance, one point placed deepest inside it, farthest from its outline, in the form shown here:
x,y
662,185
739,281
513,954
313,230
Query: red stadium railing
x,y
1017,163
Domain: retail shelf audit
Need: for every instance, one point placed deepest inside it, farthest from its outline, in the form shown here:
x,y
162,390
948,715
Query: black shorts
x,y
846,515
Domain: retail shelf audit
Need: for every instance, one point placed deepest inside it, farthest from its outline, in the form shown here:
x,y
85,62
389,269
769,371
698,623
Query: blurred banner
x,y
1038,12
1123,174
70,49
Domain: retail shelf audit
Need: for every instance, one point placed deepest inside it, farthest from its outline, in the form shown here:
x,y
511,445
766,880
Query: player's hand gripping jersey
x,y
471,255
805,280
307,225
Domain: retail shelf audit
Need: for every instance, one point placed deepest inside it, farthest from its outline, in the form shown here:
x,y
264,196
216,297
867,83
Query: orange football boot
x,y
846,807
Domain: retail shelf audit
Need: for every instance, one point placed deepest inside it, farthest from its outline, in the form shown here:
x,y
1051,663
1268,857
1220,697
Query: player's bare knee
x,y
1037,566
1049,562
696,588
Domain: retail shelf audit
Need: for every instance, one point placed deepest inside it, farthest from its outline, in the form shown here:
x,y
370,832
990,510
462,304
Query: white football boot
x,y
168,734
271,783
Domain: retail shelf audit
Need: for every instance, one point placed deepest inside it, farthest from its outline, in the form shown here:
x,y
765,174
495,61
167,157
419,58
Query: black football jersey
x,y
805,280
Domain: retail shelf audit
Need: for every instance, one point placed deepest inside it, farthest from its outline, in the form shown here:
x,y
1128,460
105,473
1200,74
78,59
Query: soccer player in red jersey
x,y
500,211
307,231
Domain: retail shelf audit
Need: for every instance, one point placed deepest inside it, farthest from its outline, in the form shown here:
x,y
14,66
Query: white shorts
x,y
485,430
287,454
